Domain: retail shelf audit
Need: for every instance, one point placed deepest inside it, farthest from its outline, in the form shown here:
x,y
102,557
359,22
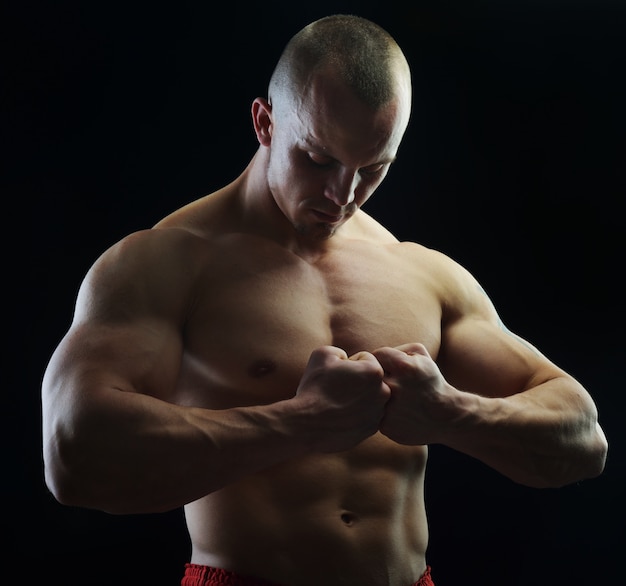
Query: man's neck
x,y
261,215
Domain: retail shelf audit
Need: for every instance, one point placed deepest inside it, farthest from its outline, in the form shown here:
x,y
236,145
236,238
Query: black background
x,y
114,114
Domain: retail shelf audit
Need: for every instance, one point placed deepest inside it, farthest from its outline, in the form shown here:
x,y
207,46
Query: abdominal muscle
x,y
355,517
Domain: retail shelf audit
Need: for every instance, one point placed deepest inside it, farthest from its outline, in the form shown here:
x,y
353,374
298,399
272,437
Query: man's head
x,y
339,103
363,55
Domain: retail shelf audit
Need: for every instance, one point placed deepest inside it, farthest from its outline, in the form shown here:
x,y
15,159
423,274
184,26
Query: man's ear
x,y
262,120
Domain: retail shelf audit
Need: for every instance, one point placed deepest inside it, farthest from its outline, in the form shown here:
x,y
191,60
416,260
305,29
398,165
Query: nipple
x,y
261,368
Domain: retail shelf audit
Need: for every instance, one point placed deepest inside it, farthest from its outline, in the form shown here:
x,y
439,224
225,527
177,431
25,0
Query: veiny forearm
x,y
124,452
548,436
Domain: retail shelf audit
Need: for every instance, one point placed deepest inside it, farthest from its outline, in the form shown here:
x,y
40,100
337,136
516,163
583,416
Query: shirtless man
x,y
275,361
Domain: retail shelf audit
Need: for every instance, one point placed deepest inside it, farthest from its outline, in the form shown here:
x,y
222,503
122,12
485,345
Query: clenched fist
x,y
342,398
422,403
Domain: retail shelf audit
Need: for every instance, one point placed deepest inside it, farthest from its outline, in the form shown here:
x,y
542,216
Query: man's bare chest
x,y
260,312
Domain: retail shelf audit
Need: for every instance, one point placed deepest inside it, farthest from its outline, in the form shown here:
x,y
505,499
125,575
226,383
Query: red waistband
x,y
196,575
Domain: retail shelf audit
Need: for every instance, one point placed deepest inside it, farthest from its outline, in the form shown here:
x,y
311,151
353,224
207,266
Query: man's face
x,y
328,154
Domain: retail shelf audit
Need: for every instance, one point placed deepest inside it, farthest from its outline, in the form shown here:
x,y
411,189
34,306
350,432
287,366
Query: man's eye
x,y
319,160
373,170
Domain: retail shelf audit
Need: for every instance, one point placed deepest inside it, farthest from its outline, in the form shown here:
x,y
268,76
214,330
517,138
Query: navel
x,y
261,368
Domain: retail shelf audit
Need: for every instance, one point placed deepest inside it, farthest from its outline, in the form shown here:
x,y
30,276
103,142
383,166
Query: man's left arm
x,y
493,396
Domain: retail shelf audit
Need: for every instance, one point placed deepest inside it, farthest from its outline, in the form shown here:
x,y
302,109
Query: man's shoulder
x,y
158,243
200,216
150,260
365,227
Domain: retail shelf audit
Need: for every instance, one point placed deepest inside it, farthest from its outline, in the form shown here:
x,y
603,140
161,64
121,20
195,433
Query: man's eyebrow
x,y
387,161
323,151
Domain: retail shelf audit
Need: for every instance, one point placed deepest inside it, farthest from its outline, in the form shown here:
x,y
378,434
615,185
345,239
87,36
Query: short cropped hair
x,y
363,54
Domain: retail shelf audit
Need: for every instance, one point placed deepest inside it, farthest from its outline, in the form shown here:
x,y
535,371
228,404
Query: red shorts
x,y
196,575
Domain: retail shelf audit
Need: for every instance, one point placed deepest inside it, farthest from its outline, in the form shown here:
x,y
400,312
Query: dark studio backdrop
x,y
114,114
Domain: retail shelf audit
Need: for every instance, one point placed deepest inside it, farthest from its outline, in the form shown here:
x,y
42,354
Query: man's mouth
x,y
328,218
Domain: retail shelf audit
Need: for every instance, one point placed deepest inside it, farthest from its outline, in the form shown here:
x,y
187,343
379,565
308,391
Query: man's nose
x,y
342,189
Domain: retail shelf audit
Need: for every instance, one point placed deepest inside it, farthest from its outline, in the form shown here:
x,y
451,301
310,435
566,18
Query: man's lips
x,y
328,218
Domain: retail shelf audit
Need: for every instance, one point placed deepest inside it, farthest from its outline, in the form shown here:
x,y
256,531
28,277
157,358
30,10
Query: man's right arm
x,y
110,448
113,437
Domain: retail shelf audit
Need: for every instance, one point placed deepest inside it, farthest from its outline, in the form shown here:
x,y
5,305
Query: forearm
x,y
547,436
124,451
136,454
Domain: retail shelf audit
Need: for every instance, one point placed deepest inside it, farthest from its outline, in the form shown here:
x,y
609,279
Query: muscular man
x,y
275,361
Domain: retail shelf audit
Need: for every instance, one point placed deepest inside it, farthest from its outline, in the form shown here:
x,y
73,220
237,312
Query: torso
x,y
349,518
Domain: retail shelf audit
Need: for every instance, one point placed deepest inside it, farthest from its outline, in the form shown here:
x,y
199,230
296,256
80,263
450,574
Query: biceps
x,y
143,357
484,358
